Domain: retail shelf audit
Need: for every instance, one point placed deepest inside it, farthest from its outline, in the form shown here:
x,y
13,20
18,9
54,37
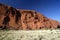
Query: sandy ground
x,y
30,35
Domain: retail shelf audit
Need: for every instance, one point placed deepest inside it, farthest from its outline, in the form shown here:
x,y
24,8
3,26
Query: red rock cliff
x,y
11,18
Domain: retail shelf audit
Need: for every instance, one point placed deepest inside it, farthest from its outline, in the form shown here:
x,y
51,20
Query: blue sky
x,y
49,8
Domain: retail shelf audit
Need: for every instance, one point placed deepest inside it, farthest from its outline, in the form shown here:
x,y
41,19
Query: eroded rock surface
x,y
11,18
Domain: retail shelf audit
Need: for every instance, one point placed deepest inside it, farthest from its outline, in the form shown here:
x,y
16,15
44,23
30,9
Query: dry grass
x,y
29,35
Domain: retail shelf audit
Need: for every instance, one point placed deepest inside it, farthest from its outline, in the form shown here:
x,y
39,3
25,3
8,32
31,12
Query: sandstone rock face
x,y
11,18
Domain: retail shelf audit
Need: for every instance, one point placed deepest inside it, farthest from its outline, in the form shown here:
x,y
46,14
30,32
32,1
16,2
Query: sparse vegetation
x,y
29,35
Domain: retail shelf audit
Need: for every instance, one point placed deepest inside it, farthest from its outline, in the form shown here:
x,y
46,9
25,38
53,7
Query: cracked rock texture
x,y
11,18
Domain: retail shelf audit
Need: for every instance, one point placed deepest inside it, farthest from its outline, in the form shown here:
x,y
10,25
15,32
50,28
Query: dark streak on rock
x,y
29,28
6,20
40,28
1,27
5,27
31,13
35,22
58,26
36,17
50,27
7,13
12,11
25,17
18,16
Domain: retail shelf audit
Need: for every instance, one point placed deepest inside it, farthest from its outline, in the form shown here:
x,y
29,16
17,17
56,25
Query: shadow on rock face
x,y
3,27
6,20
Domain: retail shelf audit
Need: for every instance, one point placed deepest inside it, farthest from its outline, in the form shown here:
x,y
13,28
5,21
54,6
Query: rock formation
x,y
11,18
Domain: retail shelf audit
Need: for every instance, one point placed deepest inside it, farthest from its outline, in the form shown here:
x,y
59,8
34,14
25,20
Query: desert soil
x,y
29,34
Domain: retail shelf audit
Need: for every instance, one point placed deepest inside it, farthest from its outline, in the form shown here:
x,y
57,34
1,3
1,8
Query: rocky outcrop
x,y
11,18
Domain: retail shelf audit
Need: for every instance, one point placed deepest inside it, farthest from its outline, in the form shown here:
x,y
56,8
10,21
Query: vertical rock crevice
x,y
6,20
18,16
